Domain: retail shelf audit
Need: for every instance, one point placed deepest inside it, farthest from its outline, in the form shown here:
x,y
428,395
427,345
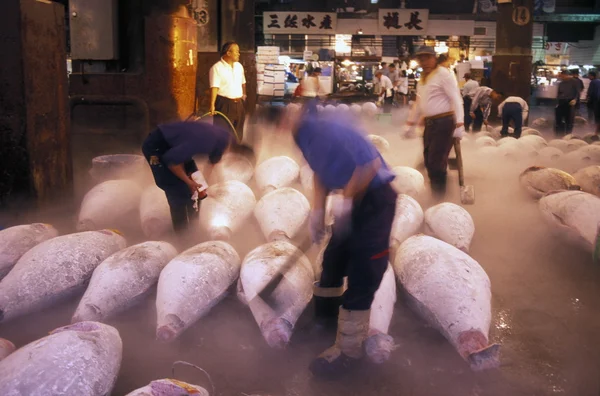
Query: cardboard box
x,y
279,92
275,67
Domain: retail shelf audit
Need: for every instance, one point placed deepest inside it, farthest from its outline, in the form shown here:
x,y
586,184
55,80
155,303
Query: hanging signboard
x,y
403,22
299,22
556,48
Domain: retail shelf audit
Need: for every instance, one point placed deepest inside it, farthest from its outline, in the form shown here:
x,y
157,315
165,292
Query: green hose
x,y
237,138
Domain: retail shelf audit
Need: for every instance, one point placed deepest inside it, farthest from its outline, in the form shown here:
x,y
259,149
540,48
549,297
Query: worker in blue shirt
x,y
342,158
170,150
593,100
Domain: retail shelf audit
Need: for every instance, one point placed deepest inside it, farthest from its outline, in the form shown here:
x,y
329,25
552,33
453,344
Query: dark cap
x,y
425,50
565,72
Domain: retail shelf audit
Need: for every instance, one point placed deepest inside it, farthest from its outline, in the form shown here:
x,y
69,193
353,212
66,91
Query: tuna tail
x,y
277,332
170,331
486,358
220,234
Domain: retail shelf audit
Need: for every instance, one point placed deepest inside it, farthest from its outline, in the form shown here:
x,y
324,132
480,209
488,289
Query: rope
x,y
237,138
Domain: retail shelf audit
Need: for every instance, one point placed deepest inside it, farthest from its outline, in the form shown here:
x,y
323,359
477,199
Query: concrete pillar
x,y
35,155
512,61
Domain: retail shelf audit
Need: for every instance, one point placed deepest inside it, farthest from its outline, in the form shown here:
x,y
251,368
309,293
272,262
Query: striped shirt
x,y
482,98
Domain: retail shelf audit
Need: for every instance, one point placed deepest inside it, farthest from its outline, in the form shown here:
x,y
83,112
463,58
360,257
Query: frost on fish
x,y
282,213
450,223
109,205
16,241
452,292
379,345
380,143
276,172
191,284
589,179
169,387
537,181
407,220
484,141
408,181
155,213
534,141
232,167
6,348
54,270
550,154
292,294
122,280
574,215
226,209
80,359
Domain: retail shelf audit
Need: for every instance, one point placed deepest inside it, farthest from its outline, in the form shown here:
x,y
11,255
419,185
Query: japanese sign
x,y
403,22
556,48
299,22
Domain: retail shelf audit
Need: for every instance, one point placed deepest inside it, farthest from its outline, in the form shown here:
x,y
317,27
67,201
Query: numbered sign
x,y
521,16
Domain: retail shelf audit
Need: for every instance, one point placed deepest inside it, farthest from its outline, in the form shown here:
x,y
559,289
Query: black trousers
x,y
438,141
362,256
388,103
178,193
565,116
467,101
514,112
478,122
234,110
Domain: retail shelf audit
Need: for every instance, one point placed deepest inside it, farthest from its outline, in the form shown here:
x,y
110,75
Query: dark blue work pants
x,y
512,111
363,255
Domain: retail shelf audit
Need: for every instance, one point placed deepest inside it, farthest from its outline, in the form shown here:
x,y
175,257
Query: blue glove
x,y
342,214
317,225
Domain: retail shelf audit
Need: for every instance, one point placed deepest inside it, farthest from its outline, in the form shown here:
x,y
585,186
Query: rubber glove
x,y
459,132
317,225
342,213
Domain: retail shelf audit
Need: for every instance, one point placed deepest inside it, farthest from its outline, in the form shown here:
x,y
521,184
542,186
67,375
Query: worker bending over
x,y
515,109
482,105
342,158
440,105
170,150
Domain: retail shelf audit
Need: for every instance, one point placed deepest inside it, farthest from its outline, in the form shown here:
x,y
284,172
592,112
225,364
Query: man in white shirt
x,y
311,85
481,105
228,88
387,91
515,109
467,91
440,106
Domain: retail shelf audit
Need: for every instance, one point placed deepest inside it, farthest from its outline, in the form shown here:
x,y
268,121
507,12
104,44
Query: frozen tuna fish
x,y
355,108
80,359
122,280
307,178
575,215
541,123
226,209
191,284
155,213
292,294
54,270
407,220
380,143
530,131
537,142
450,223
16,241
276,172
282,213
550,154
485,141
6,348
506,140
452,293
408,181
589,179
379,345
592,151
369,109
537,181
109,205
232,167
169,387
560,144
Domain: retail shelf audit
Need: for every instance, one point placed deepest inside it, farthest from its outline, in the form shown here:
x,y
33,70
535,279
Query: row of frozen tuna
x,y
81,359
538,180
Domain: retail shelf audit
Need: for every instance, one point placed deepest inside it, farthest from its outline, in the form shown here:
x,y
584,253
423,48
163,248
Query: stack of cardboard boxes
x,y
271,75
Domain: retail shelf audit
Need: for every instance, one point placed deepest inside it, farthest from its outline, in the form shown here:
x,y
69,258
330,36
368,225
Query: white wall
x,y
586,52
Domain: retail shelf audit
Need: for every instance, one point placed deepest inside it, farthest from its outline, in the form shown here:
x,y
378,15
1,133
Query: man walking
x,y
515,109
481,105
568,91
228,89
440,105
468,91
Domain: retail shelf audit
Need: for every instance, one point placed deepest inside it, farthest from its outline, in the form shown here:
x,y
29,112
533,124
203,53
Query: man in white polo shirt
x,y
228,88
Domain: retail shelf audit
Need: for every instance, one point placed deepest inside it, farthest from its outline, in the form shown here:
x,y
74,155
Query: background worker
x,y
170,150
568,92
228,89
468,91
310,87
387,91
513,108
581,87
342,158
440,105
593,100
481,105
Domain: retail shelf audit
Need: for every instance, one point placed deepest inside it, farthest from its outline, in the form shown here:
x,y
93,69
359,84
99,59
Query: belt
x,y
231,100
438,116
